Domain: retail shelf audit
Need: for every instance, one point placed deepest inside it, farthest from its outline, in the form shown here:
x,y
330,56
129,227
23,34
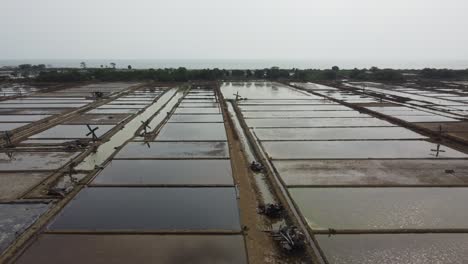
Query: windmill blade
x,y
92,131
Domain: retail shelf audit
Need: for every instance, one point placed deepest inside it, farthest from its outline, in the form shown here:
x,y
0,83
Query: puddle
x,y
150,209
196,118
72,131
336,133
294,108
383,208
318,122
14,184
303,114
197,172
169,150
120,137
10,126
365,172
16,218
395,248
200,110
166,249
19,161
358,150
192,132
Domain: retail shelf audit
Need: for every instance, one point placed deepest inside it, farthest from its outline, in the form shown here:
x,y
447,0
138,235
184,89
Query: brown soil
x,y
446,126
260,246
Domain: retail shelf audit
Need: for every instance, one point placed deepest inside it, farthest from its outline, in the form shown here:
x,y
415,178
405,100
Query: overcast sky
x,y
240,29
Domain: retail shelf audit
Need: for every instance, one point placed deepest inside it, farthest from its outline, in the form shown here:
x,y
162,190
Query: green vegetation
x,y
274,73
444,74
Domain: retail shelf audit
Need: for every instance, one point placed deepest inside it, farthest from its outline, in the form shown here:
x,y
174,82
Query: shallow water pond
x,y
166,249
72,131
196,118
192,132
372,149
336,133
197,172
318,122
395,248
382,208
174,150
113,208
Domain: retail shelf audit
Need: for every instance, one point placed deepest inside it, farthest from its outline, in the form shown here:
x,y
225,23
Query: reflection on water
x,y
190,150
118,139
383,208
192,132
120,208
261,90
336,133
370,149
171,249
395,248
197,172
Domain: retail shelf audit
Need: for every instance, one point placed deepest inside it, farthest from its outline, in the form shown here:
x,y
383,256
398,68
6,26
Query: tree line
x,y
274,73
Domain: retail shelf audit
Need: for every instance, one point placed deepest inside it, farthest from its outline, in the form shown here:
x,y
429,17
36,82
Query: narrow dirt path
x,y
260,246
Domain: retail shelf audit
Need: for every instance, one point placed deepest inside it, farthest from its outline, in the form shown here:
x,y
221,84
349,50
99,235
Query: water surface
x,y
113,208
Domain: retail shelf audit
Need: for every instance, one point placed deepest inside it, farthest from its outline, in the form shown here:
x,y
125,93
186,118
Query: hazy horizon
x,y
332,30
241,63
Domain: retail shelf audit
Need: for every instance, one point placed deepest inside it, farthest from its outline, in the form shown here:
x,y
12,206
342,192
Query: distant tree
x,y
439,73
276,73
102,66
335,68
259,74
357,74
112,64
180,74
24,66
329,74
374,69
238,73
129,67
83,65
387,75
